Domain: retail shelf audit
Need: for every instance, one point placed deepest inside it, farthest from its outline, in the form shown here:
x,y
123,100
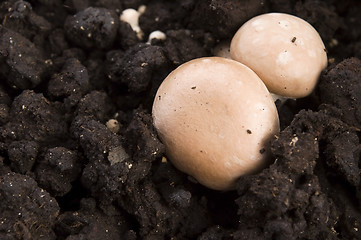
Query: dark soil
x,y
68,67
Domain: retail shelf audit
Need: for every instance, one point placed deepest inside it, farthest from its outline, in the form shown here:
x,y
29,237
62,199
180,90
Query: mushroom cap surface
x,y
215,118
286,52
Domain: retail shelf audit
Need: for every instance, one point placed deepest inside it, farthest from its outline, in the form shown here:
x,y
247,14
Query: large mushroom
x,y
216,118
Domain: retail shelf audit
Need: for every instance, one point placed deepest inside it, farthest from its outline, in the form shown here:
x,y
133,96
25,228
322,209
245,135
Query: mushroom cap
x,y
285,51
215,118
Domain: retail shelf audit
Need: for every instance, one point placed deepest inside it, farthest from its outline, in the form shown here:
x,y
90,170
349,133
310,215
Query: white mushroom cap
x,y
216,118
113,125
156,35
131,16
285,51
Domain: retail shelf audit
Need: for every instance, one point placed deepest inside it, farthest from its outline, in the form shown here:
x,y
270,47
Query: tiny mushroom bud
x,y
215,118
113,125
156,35
285,51
131,16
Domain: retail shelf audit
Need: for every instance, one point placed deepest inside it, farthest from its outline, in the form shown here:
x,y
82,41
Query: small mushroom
x,y
285,51
131,16
156,35
113,125
216,118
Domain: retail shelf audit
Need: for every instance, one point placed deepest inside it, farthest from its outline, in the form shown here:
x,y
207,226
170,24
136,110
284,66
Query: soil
x,y
68,67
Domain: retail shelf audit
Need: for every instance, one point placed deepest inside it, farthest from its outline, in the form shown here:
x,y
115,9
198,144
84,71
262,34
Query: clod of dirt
x,y
301,196
34,118
4,106
91,223
73,79
23,64
164,16
223,18
96,104
57,41
21,18
341,87
185,45
94,137
314,12
127,37
22,155
137,67
92,28
57,170
4,113
35,209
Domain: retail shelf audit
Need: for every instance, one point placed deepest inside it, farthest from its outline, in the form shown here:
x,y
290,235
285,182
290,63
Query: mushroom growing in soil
x,y
286,52
215,117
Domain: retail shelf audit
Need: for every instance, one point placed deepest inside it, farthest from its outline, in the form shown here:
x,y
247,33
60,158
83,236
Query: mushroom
x,y
113,125
131,16
285,51
215,118
156,35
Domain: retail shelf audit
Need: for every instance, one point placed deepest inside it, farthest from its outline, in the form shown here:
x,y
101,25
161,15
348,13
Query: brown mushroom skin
x,y
285,51
216,118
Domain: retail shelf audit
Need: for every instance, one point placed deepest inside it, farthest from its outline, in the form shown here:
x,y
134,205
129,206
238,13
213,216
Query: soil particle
x,y
22,155
57,170
316,12
153,212
340,87
27,211
4,113
94,138
184,45
342,153
128,37
290,188
101,175
92,28
4,97
73,79
145,143
285,6
223,18
21,18
90,223
23,64
137,67
165,16
70,84
57,41
80,5
335,152
35,118
97,105
4,106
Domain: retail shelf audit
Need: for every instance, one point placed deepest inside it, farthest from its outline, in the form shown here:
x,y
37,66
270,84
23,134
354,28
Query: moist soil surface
x,y
80,159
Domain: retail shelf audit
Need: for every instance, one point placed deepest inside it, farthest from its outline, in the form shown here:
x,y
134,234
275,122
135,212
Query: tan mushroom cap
x,y
285,51
215,117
